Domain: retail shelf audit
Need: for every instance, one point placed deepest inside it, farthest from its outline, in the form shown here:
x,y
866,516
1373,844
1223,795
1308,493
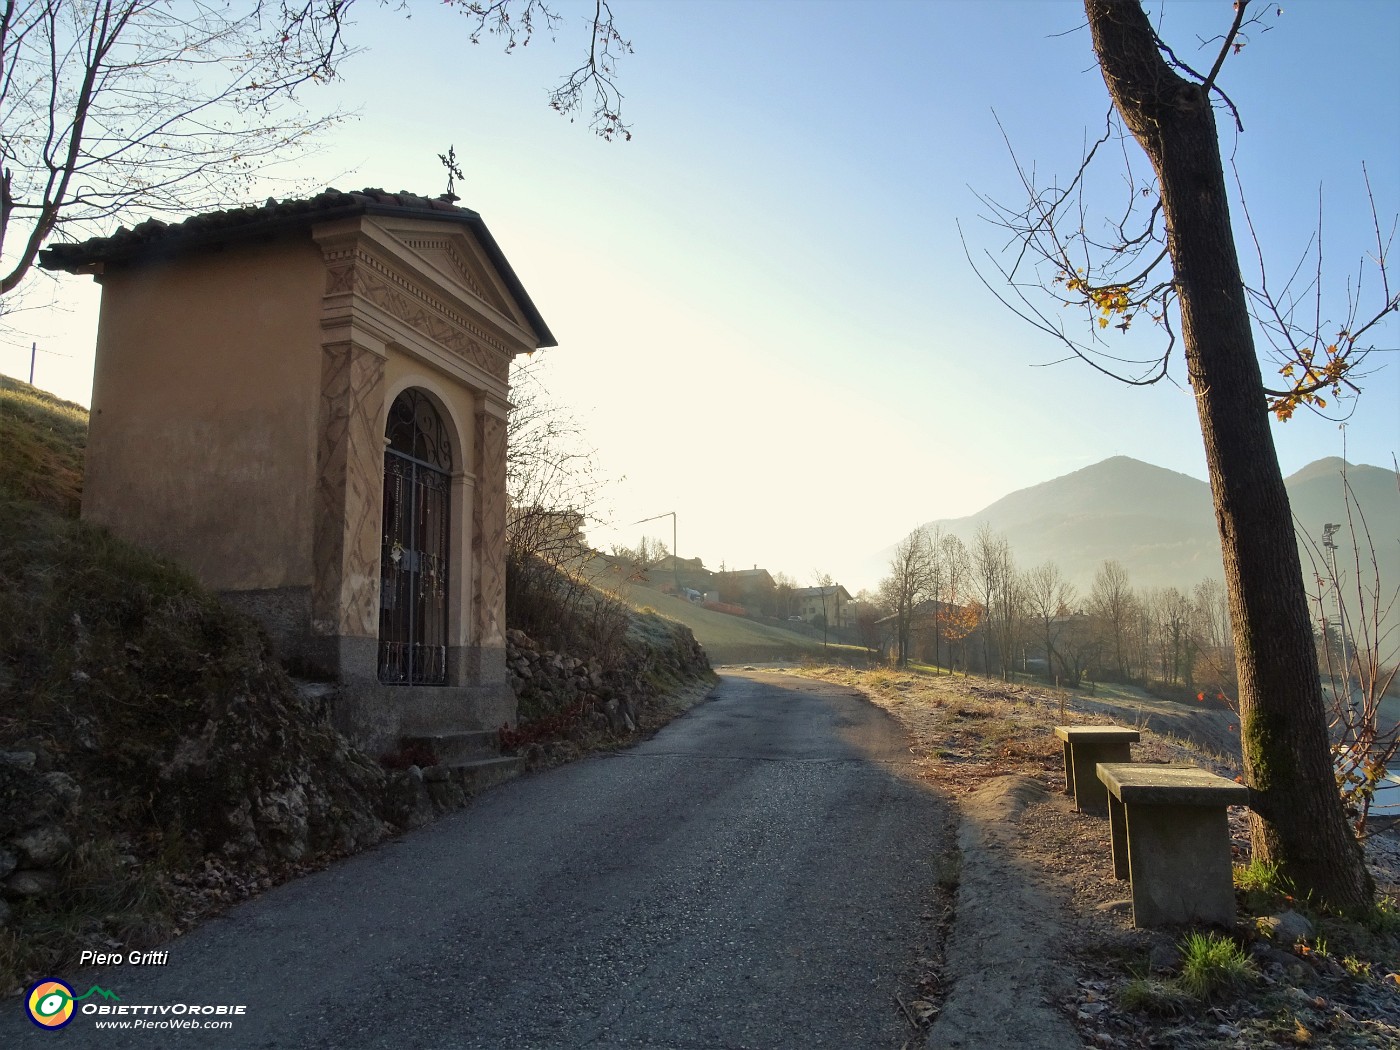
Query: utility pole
x,y
34,356
675,557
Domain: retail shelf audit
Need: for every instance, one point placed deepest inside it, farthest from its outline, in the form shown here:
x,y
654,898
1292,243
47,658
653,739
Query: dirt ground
x,y
1037,896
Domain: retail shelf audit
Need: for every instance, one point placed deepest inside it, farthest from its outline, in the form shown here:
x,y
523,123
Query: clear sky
x,y
766,319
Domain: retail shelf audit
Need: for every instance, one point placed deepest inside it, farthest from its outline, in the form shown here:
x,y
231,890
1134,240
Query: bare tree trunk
x,y
1297,818
937,630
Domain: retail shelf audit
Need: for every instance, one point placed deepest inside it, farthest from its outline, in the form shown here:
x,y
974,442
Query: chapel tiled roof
x,y
156,239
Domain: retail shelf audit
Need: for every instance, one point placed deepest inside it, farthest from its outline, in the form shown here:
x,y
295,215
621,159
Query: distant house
x,y
557,534
813,603
751,588
687,573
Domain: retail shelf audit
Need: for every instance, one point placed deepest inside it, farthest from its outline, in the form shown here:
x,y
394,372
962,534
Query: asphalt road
x,y
759,874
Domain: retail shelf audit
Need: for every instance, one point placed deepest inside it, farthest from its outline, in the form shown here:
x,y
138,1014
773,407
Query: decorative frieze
x,y
459,265
359,272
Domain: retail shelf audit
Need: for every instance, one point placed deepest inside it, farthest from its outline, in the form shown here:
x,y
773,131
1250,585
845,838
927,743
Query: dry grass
x,y
44,441
965,730
726,638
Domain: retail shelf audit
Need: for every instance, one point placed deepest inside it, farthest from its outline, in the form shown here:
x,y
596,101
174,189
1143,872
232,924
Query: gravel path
x,y
762,874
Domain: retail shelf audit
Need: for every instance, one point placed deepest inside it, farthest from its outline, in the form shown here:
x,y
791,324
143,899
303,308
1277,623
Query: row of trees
x,y
970,605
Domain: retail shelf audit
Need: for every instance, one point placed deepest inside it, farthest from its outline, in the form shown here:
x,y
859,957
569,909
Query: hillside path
x,y
759,874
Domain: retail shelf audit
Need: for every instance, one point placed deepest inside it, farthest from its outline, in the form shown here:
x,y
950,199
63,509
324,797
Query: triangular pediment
x,y
451,256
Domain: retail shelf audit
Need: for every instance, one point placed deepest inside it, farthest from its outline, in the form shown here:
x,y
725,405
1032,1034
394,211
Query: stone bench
x,y
1171,838
1085,748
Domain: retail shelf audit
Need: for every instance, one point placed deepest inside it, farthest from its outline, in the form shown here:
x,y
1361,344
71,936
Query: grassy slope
x,y
153,703
727,639
43,440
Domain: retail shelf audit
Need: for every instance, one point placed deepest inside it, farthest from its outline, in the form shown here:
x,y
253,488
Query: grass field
x,y
733,639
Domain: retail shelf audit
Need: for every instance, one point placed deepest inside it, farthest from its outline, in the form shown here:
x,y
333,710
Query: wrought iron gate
x,y
414,563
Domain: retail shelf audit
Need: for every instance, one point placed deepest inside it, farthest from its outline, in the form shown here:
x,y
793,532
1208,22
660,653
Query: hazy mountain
x,y
1316,494
1161,525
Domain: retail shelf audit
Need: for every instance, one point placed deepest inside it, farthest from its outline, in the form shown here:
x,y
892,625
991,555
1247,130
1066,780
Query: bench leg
x,y
1090,795
1118,832
1179,862
1069,771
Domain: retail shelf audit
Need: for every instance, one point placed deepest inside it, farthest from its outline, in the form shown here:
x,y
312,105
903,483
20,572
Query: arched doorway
x,y
414,562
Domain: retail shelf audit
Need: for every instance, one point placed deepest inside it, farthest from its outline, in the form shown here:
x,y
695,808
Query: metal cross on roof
x,y
449,161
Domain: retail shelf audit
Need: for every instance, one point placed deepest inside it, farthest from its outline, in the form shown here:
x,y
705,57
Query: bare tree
x,y
783,588
953,619
1048,599
516,21
906,586
1215,653
999,593
552,484
160,106
870,610
1181,634
1353,603
1146,644
1113,604
1170,256
829,592
1167,638
552,491
107,106
937,588
648,554
1078,648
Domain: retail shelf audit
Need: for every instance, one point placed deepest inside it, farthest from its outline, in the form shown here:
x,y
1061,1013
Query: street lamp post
x,y
1328,531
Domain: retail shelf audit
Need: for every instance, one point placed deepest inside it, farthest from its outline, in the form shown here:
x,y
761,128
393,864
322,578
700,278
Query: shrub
x,y
1213,966
1153,996
1262,888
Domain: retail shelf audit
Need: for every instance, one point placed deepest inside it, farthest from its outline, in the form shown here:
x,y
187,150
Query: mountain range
x,y
1161,525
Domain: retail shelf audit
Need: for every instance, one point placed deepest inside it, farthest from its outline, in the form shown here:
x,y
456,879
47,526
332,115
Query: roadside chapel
x,y
304,404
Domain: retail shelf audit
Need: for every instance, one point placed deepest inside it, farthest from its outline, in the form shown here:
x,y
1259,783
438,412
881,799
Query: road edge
x,y
1002,943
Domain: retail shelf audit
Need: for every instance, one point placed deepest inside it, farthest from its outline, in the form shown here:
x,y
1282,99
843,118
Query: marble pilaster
x,y
489,526
349,482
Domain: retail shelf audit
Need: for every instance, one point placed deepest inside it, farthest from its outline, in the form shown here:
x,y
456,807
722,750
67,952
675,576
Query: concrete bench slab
x,y
1085,748
1171,838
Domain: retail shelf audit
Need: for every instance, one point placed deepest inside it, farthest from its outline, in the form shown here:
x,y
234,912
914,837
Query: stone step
x,y
481,773
453,748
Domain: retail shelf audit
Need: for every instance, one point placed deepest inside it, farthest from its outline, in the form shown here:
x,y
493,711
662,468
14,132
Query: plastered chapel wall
x,y
204,409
